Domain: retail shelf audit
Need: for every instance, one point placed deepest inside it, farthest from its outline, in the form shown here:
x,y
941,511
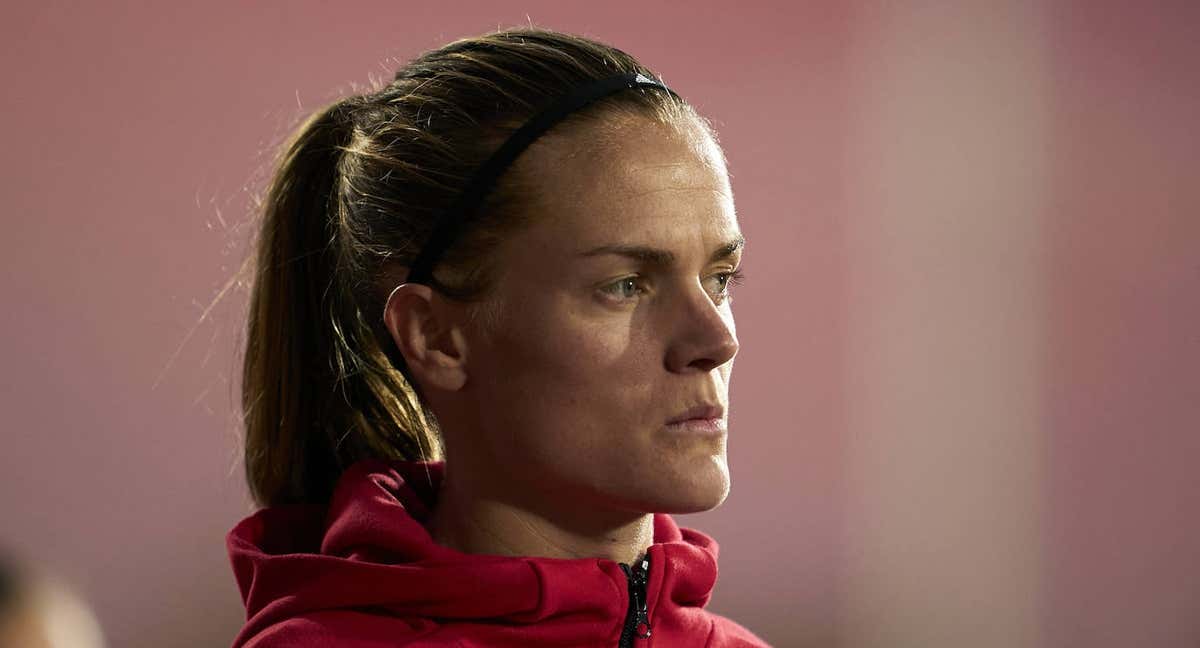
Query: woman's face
x,y
611,319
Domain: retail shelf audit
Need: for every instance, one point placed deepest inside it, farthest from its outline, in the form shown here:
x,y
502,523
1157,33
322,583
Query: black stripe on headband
x,y
447,228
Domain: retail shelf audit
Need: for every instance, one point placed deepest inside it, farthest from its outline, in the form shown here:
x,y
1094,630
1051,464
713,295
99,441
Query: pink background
x,y
966,409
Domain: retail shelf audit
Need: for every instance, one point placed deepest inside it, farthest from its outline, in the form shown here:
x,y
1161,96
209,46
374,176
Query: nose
x,y
704,333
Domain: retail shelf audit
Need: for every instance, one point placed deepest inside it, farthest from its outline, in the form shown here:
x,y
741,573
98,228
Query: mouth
x,y
703,412
706,427
705,419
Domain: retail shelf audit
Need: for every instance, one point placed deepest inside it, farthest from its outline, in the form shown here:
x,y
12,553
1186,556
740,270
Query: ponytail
x,y
318,391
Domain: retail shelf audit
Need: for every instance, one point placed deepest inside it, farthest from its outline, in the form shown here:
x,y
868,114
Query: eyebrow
x,y
663,258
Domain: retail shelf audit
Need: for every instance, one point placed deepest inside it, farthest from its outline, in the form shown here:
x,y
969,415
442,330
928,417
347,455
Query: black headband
x,y
447,227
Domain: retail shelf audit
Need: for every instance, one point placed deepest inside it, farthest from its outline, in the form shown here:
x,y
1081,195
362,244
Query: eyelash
x,y
733,278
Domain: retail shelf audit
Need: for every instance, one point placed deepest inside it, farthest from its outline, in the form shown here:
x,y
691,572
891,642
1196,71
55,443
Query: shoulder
x,y
727,633
348,629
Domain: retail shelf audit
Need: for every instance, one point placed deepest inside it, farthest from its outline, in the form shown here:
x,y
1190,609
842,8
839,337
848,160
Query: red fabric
x,y
365,572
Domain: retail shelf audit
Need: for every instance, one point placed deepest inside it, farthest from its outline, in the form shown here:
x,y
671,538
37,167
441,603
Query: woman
x,y
489,351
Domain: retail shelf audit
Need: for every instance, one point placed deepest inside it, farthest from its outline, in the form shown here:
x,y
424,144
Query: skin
x,y
50,616
553,409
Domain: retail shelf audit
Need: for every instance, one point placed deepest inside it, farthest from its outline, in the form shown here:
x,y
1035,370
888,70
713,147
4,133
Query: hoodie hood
x,y
369,550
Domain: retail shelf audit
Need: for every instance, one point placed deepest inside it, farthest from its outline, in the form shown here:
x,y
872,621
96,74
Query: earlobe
x,y
423,329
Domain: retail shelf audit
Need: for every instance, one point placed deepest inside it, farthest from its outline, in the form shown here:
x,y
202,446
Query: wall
x,y
965,407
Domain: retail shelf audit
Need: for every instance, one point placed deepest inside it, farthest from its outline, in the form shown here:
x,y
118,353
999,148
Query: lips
x,y
703,411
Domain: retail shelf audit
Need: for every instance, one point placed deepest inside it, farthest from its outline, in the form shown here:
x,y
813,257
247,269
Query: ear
x,y
427,332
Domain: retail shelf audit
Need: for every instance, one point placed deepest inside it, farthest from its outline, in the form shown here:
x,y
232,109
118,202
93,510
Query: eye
x,y
726,281
624,289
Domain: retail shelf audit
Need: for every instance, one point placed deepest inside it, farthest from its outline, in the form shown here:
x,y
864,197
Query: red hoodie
x,y
364,572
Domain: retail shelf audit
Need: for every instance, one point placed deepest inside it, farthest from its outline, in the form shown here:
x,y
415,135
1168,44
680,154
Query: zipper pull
x,y
643,617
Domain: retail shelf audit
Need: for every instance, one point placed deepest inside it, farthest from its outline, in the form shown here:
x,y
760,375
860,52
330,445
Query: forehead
x,y
631,180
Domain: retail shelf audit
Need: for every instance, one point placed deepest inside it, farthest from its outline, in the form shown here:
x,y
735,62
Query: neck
x,y
474,518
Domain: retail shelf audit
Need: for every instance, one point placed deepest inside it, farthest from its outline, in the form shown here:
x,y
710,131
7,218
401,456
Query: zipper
x,y
637,621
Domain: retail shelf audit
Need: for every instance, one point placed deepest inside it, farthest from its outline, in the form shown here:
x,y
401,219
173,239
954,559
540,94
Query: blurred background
x,y
966,408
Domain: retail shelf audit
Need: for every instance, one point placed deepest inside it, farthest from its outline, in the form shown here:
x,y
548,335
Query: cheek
x,y
568,380
570,359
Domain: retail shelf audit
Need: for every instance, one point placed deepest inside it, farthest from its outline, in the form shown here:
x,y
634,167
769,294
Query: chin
x,y
671,485
693,491
690,506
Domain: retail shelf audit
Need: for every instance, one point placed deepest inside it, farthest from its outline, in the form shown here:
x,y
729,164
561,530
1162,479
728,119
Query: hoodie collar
x,y
369,548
